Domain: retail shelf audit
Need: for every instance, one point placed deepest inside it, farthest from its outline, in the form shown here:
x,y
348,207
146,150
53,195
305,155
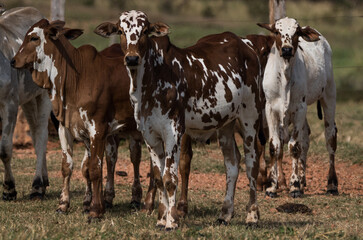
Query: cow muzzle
x,y
286,52
12,63
132,61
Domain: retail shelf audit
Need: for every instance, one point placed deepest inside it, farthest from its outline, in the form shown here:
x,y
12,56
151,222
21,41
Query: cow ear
x,y
268,26
159,29
308,34
72,34
106,29
55,28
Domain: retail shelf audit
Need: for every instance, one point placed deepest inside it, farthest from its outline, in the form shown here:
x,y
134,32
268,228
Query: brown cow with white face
x,y
89,94
192,91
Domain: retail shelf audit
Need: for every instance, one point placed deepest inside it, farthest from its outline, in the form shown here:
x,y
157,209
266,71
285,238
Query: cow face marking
x,y
287,32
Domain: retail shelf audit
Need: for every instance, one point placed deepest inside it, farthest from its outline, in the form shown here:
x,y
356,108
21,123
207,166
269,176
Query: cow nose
x,y
12,63
286,52
132,60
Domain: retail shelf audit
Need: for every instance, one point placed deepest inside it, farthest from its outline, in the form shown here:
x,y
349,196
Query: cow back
x,y
14,24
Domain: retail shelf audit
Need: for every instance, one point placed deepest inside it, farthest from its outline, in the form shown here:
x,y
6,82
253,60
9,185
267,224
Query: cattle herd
x,y
148,90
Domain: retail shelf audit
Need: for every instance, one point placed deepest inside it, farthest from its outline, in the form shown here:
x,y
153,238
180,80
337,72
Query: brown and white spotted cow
x,y
298,73
89,94
195,90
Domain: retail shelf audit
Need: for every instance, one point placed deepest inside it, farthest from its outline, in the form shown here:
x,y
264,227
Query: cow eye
x,y
146,31
119,32
34,39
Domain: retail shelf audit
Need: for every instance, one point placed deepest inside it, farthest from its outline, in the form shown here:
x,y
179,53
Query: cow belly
x,y
203,118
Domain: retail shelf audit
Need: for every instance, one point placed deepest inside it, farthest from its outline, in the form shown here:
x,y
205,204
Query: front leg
x,y
66,141
298,151
97,147
276,151
85,172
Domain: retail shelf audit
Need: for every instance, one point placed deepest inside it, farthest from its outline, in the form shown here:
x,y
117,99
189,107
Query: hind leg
x,y
186,155
328,104
37,112
232,158
135,154
112,142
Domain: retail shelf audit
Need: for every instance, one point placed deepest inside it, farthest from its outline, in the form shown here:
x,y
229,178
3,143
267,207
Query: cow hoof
x,y
93,219
108,204
296,194
271,194
333,192
36,196
135,205
182,209
60,211
221,222
9,196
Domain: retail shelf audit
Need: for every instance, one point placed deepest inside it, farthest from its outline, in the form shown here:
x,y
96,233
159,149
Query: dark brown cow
x,y
89,94
196,91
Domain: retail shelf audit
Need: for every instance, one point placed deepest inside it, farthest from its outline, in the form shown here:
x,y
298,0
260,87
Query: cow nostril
x,y
286,51
12,63
132,60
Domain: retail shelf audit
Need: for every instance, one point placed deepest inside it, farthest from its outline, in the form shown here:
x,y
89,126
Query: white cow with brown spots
x,y
18,89
298,73
192,91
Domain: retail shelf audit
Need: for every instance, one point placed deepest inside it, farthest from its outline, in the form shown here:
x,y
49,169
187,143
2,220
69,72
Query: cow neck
x,y
284,79
66,58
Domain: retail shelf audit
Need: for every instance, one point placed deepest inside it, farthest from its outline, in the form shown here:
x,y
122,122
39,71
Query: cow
x,y
17,89
192,91
89,95
298,73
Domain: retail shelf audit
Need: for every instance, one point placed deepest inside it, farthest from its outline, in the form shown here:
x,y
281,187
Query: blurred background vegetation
x,y
340,21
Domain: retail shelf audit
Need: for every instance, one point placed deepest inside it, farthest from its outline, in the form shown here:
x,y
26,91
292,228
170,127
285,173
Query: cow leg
x,y
297,151
135,154
112,142
85,172
328,104
249,121
151,192
66,141
262,174
186,155
275,149
97,147
8,116
170,176
305,143
232,158
158,162
37,113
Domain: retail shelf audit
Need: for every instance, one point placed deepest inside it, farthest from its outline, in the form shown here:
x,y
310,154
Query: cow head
x,y
287,32
134,29
37,50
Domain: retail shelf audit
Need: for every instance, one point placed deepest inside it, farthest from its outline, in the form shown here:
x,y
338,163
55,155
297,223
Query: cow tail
x,y
318,106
